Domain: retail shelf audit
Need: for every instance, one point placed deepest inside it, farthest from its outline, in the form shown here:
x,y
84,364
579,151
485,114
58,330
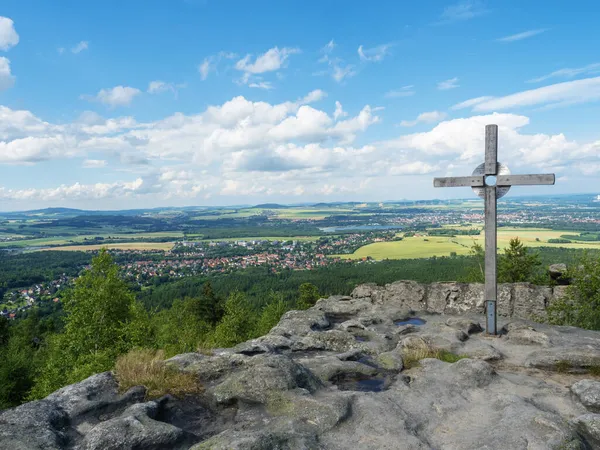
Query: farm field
x,y
427,246
63,240
119,246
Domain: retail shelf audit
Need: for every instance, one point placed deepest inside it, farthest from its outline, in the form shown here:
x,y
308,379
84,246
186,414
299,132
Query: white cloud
x,y
590,69
158,87
267,85
374,54
204,68
81,46
338,69
554,95
313,96
8,35
329,47
272,60
412,168
211,63
463,10
339,111
459,143
405,91
452,83
341,72
116,96
471,102
94,163
7,80
426,117
522,35
279,150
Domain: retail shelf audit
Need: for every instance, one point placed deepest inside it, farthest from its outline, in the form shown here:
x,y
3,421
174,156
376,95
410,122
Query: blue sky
x,y
120,104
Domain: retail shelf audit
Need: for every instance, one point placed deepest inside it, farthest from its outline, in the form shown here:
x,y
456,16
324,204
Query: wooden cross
x,y
492,180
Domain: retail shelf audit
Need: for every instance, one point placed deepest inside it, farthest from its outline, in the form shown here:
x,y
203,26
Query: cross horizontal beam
x,y
473,180
525,180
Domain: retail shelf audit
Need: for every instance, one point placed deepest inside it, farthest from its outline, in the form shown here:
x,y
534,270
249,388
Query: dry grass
x,y
412,356
145,367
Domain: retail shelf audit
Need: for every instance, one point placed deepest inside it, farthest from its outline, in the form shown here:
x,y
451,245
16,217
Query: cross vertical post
x,y
491,235
483,183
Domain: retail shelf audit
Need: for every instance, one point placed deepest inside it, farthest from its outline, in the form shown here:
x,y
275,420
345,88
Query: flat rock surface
x,y
360,372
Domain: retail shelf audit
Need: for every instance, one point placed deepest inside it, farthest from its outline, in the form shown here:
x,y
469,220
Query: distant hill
x,y
270,206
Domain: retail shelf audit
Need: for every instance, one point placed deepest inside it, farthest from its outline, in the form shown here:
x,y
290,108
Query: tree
x,y
100,324
271,313
517,264
580,306
308,294
210,307
236,325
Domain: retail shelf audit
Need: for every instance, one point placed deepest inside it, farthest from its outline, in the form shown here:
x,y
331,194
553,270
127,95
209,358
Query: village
x,y
191,258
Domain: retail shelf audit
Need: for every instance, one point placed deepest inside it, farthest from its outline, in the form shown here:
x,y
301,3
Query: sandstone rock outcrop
x,y
344,374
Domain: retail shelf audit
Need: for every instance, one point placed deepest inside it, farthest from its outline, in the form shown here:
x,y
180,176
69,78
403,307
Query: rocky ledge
x,y
344,374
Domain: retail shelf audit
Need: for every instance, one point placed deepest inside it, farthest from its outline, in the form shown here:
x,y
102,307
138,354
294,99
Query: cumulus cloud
x,y
260,149
426,117
461,142
116,96
7,79
452,83
81,46
8,35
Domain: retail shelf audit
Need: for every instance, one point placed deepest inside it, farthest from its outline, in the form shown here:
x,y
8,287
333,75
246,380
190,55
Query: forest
x,y
102,317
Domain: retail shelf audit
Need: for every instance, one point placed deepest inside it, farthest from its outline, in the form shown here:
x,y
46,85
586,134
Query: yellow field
x,y
119,246
427,246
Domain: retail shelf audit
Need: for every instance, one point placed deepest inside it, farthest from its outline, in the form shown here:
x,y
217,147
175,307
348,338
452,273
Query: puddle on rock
x,y
410,321
360,338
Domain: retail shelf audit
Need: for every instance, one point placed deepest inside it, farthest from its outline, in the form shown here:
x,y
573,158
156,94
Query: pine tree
x,y
271,313
236,325
517,264
308,294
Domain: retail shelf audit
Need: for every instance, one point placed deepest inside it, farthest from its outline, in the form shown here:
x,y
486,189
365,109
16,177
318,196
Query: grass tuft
x,y
411,357
146,367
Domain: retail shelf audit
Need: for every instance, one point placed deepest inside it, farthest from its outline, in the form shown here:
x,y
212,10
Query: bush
x,y
581,305
145,367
